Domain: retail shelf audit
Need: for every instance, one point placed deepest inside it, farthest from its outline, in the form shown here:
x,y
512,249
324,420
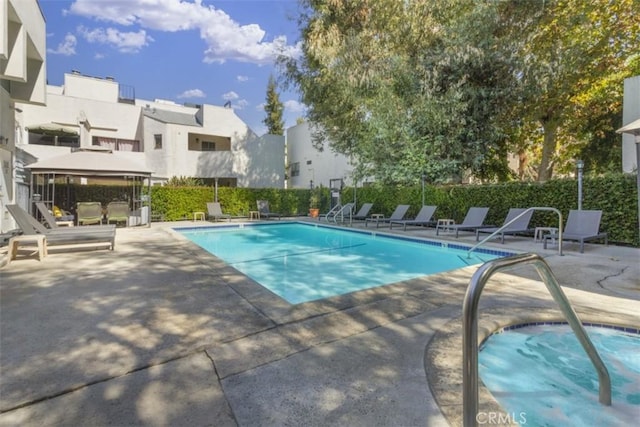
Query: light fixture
x,y
580,167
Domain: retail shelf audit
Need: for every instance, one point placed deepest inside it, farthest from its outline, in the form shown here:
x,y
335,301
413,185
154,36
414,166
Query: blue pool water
x,y
541,375
302,262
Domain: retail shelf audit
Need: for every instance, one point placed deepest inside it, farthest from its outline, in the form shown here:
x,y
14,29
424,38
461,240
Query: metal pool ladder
x,y
470,329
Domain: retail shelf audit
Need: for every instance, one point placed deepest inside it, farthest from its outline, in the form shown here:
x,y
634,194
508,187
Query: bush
x,y
616,195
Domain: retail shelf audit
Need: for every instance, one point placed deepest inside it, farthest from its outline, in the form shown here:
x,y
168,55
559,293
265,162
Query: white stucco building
x,y
200,141
22,79
308,166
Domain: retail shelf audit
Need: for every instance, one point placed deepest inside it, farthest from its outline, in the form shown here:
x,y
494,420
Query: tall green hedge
x,y
615,195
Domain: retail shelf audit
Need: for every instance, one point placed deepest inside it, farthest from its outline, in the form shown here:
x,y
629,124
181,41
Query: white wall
x,y
317,166
630,113
22,78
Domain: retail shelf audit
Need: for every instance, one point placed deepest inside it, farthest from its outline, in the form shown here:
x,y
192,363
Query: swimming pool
x,y
541,375
304,262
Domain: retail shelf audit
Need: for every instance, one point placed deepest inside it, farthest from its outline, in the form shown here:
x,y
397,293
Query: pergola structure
x,y
92,166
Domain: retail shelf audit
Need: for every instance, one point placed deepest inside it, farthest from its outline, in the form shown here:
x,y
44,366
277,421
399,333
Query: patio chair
x,y
89,213
263,208
363,213
118,212
64,235
397,215
518,226
471,222
52,222
214,210
424,218
582,226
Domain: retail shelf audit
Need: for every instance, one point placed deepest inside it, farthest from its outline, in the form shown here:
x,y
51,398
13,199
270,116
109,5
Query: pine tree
x,y
274,110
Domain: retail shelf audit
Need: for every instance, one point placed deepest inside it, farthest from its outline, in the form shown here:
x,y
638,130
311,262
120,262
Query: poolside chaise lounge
x,y
118,212
263,208
65,235
363,213
424,218
582,226
214,210
518,226
397,215
471,222
89,213
52,223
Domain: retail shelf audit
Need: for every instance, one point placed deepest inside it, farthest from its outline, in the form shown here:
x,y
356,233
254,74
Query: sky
x,y
186,51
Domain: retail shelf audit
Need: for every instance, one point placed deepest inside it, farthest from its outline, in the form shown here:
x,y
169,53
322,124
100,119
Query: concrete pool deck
x,y
159,332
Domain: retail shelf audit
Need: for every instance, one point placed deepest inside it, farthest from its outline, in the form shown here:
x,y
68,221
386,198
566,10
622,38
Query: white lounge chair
x,y
424,218
582,226
471,222
64,235
519,226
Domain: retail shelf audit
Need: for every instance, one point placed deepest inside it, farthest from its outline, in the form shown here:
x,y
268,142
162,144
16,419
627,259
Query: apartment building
x,y
309,167
201,141
22,82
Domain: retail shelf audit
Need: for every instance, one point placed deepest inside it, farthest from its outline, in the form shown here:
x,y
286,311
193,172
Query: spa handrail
x,y
470,329
537,208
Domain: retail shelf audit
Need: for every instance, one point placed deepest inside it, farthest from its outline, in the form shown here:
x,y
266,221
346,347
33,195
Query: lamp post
x,y
423,179
580,166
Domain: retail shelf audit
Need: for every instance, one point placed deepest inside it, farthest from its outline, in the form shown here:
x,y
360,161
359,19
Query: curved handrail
x,y
537,208
470,329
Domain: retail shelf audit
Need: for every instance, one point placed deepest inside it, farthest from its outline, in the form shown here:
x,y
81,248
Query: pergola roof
x,y
89,162
632,128
53,129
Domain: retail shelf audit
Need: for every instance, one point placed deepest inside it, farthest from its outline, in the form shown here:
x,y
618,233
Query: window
x,y
158,141
208,146
116,144
295,169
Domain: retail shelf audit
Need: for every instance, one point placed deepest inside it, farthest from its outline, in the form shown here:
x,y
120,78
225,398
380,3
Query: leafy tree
x,y
388,87
569,53
450,87
274,109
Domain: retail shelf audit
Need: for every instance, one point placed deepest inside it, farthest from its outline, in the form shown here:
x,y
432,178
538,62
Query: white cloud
x,y
242,79
67,47
192,93
292,106
235,101
98,56
130,42
240,104
225,38
230,96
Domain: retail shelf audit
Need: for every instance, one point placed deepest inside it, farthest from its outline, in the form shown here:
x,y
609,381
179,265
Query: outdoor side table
x,y
26,240
444,225
198,216
541,232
